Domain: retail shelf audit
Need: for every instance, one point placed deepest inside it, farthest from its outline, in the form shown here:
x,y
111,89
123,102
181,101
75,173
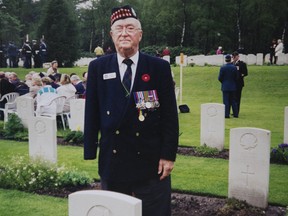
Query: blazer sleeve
x,y
169,114
92,118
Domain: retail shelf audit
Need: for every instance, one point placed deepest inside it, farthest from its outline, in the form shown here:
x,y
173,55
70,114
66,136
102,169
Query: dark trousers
x,y
238,97
155,194
12,62
272,58
229,100
28,61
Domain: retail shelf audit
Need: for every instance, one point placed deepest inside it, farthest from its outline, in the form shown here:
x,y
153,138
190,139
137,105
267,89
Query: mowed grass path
x,y
264,97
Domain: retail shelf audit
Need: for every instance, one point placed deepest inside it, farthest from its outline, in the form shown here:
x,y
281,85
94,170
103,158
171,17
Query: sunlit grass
x,y
263,102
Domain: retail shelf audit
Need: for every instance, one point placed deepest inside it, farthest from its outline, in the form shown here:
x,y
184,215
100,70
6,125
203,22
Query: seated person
x,y
20,87
53,83
66,89
53,69
44,97
76,81
36,85
5,88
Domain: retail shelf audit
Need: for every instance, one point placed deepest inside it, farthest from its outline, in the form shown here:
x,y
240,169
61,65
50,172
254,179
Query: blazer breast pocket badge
x,y
108,76
146,100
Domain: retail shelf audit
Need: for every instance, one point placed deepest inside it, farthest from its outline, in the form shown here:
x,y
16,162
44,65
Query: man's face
x,y
235,58
126,35
55,65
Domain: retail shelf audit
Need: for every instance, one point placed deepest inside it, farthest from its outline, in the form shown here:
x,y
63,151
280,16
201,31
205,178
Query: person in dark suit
x,y
27,52
242,72
78,84
228,77
134,108
5,88
12,53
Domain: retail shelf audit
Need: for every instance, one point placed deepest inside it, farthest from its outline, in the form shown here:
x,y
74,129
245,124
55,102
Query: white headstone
x,y
213,125
77,110
103,203
281,59
243,57
259,59
249,162
167,58
286,125
251,59
214,60
83,61
43,138
286,59
197,59
267,58
25,109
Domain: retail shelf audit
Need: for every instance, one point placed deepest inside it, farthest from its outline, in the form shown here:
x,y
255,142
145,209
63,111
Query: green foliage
x,y
279,154
60,27
175,51
14,129
76,137
36,175
206,151
194,24
233,204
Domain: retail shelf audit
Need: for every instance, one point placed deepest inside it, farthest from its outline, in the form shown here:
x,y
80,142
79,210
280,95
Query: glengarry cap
x,y
122,13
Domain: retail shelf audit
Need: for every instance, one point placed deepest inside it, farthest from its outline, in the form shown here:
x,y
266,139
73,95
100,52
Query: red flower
x,y
145,77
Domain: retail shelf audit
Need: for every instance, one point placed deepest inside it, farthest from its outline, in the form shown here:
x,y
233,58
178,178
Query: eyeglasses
x,y
128,30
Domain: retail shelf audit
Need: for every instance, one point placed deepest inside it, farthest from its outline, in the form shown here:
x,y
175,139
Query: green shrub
x,y
206,151
76,137
233,205
279,154
35,175
14,129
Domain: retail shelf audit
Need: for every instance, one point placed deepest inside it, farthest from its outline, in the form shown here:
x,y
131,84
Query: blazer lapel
x,y
119,97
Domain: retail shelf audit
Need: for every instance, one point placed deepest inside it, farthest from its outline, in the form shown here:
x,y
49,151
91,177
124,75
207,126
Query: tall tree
x,y
60,28
10,25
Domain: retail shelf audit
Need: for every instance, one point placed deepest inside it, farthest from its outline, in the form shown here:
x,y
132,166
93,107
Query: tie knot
x,y
128,62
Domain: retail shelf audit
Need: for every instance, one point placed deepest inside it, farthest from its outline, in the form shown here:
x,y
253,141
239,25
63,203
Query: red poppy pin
x,y
145,77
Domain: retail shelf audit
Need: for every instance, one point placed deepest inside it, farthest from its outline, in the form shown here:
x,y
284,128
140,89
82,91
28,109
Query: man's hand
x,y
165,167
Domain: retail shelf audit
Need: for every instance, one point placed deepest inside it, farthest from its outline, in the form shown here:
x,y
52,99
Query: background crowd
x,y
36,50
43,87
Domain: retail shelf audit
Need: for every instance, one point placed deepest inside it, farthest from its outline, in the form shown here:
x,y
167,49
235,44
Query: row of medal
x,y
146,100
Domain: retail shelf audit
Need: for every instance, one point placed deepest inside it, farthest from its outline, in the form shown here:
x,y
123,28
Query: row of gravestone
x,y
213,125
249,157
25,110
248,179
219,60
249,154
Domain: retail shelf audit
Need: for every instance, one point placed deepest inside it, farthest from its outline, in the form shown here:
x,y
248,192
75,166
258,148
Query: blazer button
x,y
117,132
138,153
114,151
108,112
137,134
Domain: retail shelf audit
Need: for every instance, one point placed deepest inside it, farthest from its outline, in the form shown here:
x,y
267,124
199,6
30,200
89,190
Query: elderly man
x,y
228,77
130,99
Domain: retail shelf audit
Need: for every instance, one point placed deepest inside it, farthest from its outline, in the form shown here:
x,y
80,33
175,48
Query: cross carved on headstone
x,y
247,174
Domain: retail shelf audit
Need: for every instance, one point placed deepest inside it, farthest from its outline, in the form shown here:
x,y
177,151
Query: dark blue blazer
x,y
129,149
80,89
228,76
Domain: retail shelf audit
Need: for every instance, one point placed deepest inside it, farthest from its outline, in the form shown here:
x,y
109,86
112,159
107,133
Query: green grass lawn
x,y
263,100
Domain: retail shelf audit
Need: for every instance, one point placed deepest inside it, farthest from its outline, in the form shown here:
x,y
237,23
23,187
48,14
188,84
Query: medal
x,y
141,116
148,105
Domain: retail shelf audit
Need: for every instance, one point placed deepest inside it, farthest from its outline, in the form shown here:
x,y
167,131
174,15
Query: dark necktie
x,y
127,75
